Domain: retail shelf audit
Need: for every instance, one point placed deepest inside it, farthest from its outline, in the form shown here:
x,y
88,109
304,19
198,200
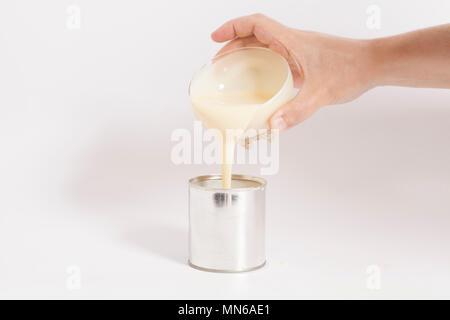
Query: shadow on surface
x,y
166,241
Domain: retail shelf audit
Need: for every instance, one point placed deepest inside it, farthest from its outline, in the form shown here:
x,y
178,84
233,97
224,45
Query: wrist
x,y
376,62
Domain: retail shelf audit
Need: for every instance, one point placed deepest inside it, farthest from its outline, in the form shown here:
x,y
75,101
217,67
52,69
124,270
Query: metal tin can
x,y
227,226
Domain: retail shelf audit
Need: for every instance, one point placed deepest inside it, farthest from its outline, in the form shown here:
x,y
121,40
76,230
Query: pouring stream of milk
x,y
231,116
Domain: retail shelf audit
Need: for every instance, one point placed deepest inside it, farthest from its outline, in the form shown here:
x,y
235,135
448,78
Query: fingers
x,y
239,43
262,27
295,111
258,30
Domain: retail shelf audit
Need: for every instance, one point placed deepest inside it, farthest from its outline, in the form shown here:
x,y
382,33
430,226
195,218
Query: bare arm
x,y
415,59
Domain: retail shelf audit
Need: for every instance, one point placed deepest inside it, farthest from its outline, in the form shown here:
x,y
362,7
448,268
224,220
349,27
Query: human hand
x,y
327,69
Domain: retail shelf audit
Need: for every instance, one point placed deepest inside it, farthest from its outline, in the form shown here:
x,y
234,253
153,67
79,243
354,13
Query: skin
x,y
332,70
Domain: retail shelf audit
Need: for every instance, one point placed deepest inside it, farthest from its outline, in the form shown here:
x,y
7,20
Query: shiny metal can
x,y
227,226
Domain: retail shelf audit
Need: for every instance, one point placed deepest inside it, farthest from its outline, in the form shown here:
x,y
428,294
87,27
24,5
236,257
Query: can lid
x,y
239,182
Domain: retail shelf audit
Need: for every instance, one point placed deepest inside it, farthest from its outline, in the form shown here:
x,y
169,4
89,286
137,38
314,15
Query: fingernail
x,y
278,122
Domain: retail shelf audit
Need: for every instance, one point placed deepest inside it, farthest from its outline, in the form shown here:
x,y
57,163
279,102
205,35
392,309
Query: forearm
x,y
416,59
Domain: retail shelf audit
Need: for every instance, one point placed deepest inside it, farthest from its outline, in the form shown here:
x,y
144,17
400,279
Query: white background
x,y
86,178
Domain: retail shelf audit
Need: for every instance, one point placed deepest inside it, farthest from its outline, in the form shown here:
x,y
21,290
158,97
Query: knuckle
x,y
258,16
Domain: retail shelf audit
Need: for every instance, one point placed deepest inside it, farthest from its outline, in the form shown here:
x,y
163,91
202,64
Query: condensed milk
x,y
237,91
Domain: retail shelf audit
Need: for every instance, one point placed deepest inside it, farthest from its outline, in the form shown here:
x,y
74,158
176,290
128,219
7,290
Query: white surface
x,y
86,177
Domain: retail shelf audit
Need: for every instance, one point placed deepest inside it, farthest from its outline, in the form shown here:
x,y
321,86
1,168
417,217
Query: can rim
x,y
193,182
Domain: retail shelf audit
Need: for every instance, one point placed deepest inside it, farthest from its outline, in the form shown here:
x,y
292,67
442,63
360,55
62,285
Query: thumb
x,y
293,112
